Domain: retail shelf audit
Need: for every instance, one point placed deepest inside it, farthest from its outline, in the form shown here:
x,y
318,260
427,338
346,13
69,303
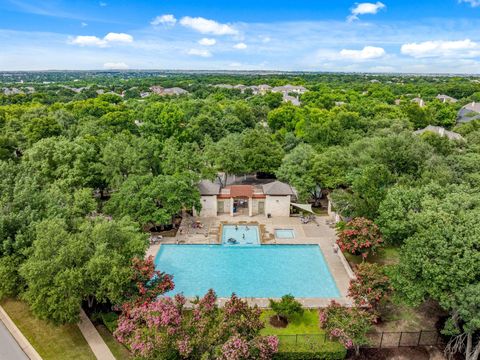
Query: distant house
x,y
398,101
167,91
440,131
446,99
12,91
263,89
292,100
340,103
241,87
469,112
223,86
272,199
419,101
287,89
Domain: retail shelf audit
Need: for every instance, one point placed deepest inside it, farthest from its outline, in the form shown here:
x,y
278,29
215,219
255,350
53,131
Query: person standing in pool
x,y
246,227
243,236
236,227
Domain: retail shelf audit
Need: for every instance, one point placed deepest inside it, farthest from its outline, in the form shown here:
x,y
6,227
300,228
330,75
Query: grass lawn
x,y
398,317
52,342
313,338
387,255
308,323
117,349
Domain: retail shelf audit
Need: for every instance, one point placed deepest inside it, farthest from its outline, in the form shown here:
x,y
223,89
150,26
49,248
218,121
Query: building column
x,y
250,207
231,206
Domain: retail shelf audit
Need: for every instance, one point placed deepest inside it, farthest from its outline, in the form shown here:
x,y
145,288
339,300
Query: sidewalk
x,y
16,346
94,340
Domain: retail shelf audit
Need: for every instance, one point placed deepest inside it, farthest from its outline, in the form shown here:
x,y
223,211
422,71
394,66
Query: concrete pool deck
x,y
318,232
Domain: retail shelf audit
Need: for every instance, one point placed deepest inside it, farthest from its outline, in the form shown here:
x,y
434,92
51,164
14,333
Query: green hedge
x,y
334,355
110,321
324,351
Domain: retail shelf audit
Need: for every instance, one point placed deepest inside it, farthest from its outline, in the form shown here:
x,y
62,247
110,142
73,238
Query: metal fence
x,y
391,339
386,339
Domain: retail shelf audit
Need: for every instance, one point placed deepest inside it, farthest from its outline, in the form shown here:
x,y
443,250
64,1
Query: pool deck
x,y
318,232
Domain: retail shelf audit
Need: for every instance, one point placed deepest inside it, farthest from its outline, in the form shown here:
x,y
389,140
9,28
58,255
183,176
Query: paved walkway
x,y
94,340
13,344
9,348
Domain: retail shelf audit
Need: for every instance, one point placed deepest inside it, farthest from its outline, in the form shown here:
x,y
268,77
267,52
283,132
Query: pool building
x,y
272,199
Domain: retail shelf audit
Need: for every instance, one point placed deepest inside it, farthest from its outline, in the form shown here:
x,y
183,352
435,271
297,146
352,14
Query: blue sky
x,y
373,36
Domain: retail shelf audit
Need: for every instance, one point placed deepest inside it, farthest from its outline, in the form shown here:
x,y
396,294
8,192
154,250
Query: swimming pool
x,y
240,235
266,271
284,234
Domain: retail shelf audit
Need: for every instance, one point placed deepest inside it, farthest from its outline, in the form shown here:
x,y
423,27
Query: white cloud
x,y
441,48
166,19
102,4
367,53
82,40
88,41
199,52
206,26
265,39
473,3
115,66
118,37
83,24
365,8
207,42
240,46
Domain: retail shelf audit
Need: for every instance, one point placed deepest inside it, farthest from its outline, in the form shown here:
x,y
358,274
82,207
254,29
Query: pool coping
x,y
264,303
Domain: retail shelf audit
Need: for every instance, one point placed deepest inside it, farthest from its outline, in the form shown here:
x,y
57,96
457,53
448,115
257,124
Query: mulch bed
x,y
278,321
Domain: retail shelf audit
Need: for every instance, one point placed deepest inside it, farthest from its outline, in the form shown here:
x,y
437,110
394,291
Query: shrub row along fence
x,y
376,340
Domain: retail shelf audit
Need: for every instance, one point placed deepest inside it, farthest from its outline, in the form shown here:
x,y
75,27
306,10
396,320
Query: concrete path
x,y
9,348
94,340
13,344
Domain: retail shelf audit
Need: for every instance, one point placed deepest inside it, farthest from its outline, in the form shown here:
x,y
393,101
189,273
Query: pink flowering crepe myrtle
x,y
163,325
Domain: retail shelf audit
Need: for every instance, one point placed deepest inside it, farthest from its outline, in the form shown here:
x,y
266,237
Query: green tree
x,y
154,200
91,264
123,156
441,261
261,153
297,170
286,308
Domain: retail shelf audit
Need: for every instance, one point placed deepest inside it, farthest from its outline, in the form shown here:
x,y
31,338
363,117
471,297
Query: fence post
x,y
400,338
381,341
419,337
296,339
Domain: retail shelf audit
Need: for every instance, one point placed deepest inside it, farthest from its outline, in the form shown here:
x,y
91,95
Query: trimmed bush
x,y
110,321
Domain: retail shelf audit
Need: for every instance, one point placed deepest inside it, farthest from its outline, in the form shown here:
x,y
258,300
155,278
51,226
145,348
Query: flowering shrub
x,y
146,282
348,325
371,287
359,236
162,328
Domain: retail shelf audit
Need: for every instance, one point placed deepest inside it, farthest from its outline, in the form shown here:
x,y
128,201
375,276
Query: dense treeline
x,y
84,174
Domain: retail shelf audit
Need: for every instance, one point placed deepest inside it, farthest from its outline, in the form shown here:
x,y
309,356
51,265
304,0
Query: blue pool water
x,y
240,235
284,234
264,271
